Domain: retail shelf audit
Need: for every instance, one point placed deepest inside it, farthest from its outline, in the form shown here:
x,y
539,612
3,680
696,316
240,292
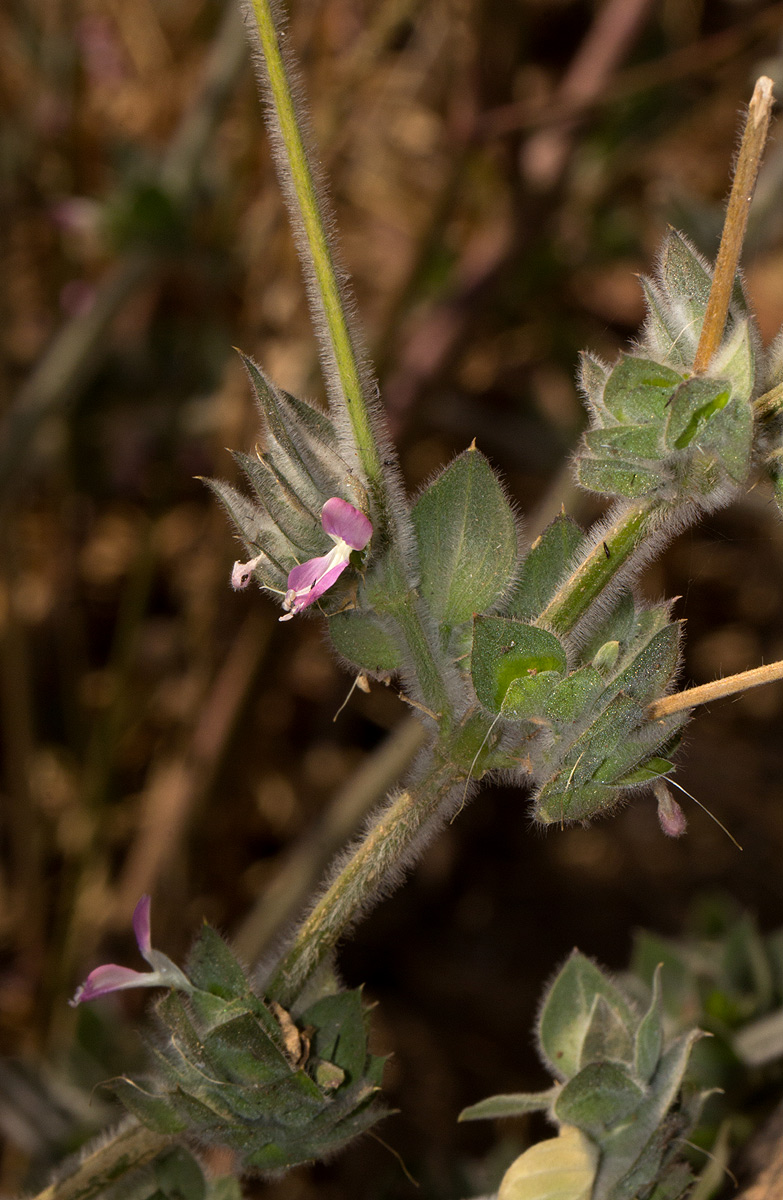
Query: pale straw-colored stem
x,y
754,139
729,686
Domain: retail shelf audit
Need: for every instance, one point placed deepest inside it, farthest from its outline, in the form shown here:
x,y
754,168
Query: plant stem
x,y
729,686
314,246
597,570
303,868
130,1147
349,382
748,161
389,844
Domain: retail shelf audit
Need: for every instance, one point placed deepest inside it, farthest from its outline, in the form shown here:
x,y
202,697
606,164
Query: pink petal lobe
x,y
109,978
307,574
341,520
141,926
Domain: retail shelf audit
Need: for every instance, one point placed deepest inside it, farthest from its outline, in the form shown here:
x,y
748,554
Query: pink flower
x,y
111,978
348,528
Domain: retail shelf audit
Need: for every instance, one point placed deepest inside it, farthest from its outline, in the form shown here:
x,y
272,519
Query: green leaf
x,y
213,968
505,651
544,568
692,405
600,1096
607,1035
652,668
648,1042
557,802
277,497
634,443
651,769
361,639
736,362
622,1148
245,1053
618,478
514,1104
593,374
574,696
156,1112
567,1010
638,389
259,534
729,437
340,1035
467,540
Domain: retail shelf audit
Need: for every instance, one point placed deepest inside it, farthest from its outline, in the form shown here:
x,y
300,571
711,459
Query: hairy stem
x,y
350,384
729,686
388,845
130,1147
597,570
298,179
754,139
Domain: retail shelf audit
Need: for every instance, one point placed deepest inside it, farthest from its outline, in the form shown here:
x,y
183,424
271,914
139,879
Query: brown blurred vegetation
x,y
501,170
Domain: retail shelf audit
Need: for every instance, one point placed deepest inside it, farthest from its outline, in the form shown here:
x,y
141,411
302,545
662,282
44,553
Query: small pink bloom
x,y
350,530
112,978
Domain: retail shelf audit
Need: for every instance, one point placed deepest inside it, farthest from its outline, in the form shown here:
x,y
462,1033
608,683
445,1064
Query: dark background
x,y
501,171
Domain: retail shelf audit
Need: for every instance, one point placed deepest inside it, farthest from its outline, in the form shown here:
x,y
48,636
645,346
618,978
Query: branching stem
x,y
729,686
754,139
383,851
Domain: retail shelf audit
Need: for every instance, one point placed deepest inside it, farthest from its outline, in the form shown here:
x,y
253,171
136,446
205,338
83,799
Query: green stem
x,y
349,384
299,182
389,843
587,581
130,1147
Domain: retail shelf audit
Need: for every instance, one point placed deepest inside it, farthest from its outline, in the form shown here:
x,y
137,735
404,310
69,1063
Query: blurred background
x,y
501,170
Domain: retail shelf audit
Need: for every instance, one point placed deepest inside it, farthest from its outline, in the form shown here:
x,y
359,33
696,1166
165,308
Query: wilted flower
x,y
348,528
670,816
112,978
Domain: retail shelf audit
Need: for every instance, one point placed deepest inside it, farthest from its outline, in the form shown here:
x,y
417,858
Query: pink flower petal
x,y
141,926
109,978
242,573
307,574
310,580
341,520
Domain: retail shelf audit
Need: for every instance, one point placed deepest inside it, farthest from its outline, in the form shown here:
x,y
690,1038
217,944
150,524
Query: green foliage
x,y
732,975
467,540
515,666
656,430
601,739
544,568
621,1088
238,1071
364,641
